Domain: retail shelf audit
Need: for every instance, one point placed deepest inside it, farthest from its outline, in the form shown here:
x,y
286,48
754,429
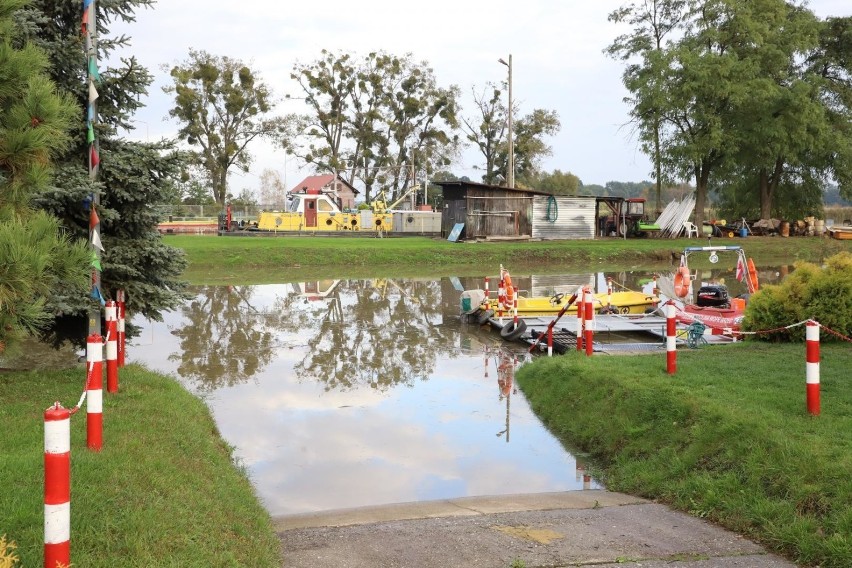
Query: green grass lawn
x,y
163,491
258,260
727,438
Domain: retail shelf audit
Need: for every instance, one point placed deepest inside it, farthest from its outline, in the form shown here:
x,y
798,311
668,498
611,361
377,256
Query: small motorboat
x,y
482,301
713,306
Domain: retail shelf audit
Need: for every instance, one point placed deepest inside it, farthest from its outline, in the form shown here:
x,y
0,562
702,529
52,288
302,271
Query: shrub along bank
x,y
727,438
163,491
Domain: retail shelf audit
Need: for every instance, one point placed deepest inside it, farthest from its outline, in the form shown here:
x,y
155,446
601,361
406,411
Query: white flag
x,y
96,240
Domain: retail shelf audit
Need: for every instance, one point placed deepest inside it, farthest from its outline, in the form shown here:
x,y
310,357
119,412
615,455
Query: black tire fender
x,y
510,333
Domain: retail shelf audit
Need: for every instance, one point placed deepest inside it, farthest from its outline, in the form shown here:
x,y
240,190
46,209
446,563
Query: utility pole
x,y
510,175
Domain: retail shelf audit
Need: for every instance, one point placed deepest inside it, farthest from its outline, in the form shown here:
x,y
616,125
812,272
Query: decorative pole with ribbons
x,y
89,30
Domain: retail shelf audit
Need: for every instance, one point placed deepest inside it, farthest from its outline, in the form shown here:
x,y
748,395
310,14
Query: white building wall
x,y
561,217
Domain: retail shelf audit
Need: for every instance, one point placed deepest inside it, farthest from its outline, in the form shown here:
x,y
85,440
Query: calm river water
x,y
347,393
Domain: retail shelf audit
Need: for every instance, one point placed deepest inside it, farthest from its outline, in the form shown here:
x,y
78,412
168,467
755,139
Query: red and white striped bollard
x,y
812,366
589,323
111,317
581,312
671,338
550,341
94,392
122,337
57,486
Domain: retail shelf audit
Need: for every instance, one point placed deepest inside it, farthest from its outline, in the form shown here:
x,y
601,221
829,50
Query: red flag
x,y
93,156
740,269
94,220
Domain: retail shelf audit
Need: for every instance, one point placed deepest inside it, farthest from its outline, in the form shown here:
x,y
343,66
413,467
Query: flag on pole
x,y
96,240
94,220
740,269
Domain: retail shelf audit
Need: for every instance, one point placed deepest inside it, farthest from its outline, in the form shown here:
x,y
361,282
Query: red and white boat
x,y
713,307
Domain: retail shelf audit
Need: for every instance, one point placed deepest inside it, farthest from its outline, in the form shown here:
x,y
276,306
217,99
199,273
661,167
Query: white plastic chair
x,y
689,229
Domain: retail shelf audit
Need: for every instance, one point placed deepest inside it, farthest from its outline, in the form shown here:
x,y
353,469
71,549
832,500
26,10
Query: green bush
x,y
823,294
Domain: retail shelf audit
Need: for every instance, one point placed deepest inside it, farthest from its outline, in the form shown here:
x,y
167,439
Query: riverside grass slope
x,y
727,438
163,491
259,260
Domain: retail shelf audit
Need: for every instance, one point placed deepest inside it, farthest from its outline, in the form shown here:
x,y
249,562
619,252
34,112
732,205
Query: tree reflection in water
x,y
223,342
354,334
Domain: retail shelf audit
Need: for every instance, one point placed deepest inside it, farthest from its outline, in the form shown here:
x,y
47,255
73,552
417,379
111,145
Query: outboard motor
x,y
713,296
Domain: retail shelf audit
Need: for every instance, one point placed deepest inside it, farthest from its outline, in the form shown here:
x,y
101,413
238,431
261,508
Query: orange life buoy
x,y
752,276
510,291
681,282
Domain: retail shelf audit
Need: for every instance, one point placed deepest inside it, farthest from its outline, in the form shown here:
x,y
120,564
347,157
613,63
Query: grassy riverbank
x,y
162,492
728,438
257,260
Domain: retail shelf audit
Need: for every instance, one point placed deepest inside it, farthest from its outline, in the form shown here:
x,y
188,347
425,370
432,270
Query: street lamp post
x,y
511,173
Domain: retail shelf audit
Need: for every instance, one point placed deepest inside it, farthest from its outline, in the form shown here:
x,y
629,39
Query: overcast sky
x,y
556,48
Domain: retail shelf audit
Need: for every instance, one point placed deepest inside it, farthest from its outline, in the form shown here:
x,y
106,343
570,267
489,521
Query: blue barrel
x,y
743,232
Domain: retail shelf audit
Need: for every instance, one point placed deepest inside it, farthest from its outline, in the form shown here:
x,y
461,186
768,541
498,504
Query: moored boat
x,y
713,307
620,302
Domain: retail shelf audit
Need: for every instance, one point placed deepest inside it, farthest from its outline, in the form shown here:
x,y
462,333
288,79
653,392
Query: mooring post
x,y
812,366
581,312
671,336
589,323
94,392
57,486
111,317
122,337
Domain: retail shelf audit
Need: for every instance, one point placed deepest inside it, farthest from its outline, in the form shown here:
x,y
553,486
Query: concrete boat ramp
x,y
575,528
614,333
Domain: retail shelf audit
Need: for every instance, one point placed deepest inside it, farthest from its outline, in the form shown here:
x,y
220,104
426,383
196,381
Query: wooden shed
x,y
487,211
496,212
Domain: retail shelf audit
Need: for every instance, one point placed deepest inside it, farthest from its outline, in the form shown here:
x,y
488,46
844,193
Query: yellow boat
x,y
626,302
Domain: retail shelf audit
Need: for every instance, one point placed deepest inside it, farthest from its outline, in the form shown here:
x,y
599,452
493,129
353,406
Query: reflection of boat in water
x,y
713,307
620,302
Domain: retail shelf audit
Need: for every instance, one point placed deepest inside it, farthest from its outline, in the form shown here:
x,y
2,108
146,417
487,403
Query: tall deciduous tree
x,y
222,106
652,22
37,259
379,119
488,129
488,132
134,177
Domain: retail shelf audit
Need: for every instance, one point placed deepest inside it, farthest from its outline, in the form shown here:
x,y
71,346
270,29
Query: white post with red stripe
x,y
608,291
501,297
581,312
122,337
57,486
671,338
111,316
94,392
515,306
550,341
589,323
812,366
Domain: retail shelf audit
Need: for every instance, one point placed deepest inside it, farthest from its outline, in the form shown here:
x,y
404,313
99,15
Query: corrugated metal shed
x,y
562,217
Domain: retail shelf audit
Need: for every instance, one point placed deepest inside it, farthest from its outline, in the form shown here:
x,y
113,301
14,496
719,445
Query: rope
x,y
85,388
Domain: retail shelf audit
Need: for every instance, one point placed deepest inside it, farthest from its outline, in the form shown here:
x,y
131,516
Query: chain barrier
x,y
836,333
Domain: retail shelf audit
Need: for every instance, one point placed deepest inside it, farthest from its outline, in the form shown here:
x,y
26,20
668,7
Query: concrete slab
x,y
554,529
